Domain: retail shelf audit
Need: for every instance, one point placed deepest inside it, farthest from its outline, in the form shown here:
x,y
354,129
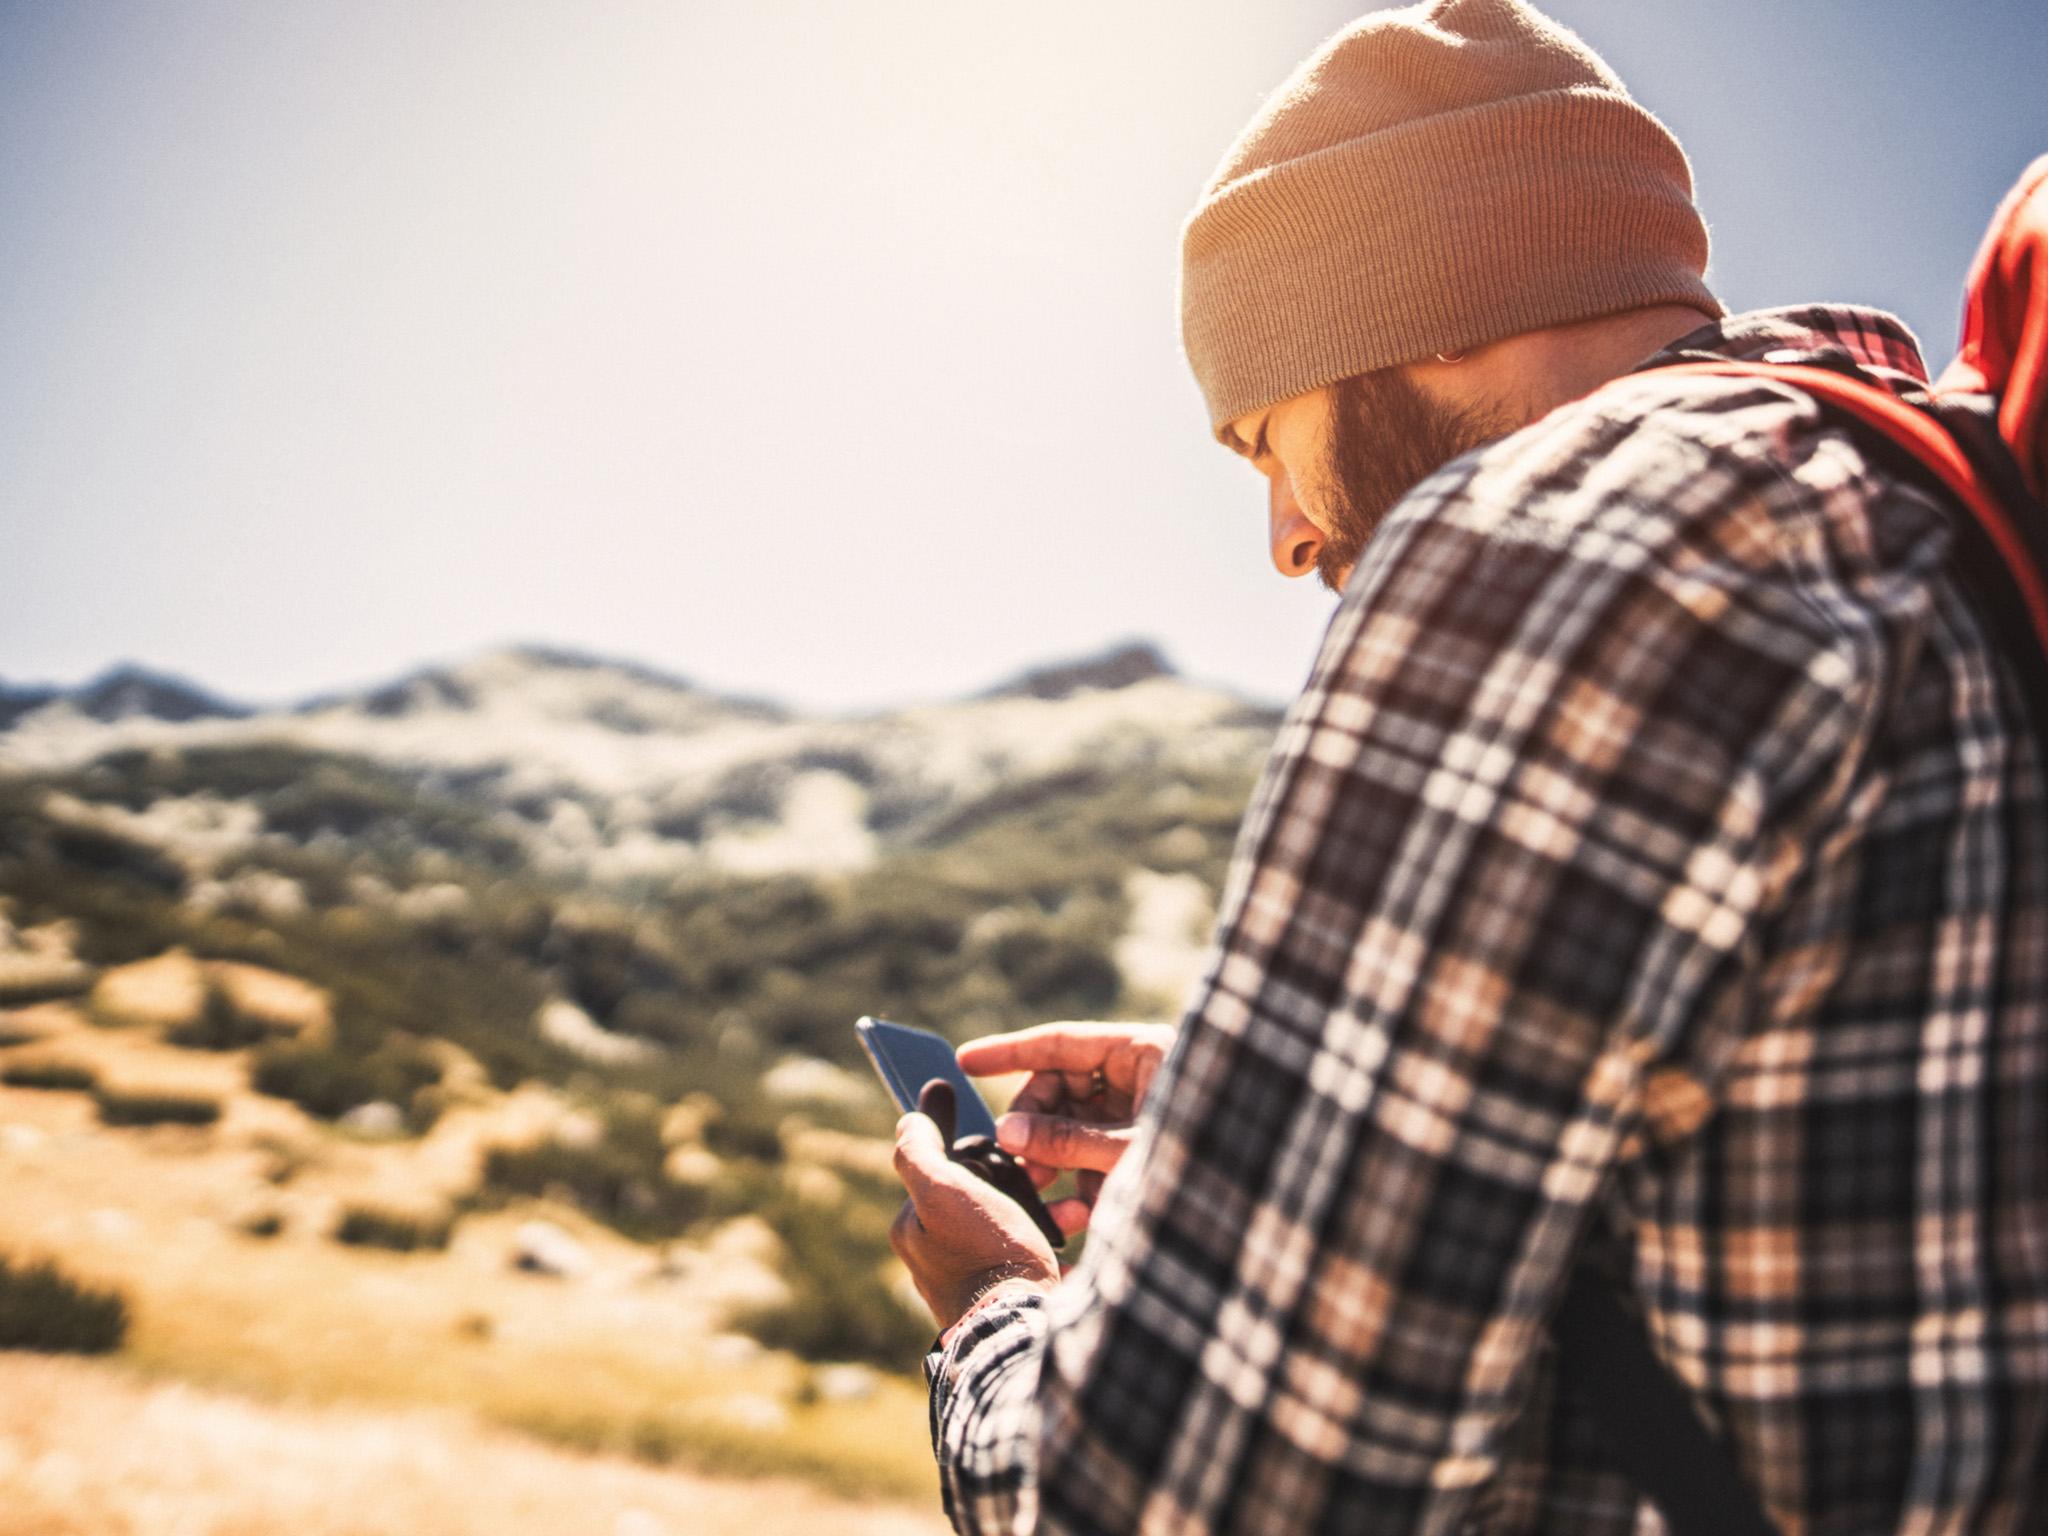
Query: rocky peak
x,y
1137,661
123,692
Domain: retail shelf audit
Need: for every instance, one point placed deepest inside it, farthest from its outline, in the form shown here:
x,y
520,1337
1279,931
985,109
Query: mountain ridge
x,y
611,772
123,691
131,690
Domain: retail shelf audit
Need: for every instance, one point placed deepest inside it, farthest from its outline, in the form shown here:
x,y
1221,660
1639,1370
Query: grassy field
x,y
90,1450
632,1358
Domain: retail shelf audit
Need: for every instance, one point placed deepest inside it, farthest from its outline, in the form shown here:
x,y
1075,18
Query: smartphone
x,y
909,1058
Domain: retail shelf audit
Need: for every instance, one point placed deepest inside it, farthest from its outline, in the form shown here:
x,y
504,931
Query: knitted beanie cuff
x,y
1442,233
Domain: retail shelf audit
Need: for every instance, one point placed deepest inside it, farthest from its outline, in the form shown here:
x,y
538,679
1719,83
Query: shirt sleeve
x,y
1573,727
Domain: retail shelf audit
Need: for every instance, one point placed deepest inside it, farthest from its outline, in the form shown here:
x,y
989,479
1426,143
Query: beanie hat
x,y
1433,178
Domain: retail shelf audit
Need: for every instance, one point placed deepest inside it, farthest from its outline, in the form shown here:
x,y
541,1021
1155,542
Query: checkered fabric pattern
x,y
1654,861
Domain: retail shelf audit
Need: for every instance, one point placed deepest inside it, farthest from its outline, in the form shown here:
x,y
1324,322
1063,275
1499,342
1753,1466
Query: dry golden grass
x,y
86,1450
627,1359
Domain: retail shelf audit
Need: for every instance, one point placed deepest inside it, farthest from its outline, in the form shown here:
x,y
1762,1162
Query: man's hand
x,y
1088,1082
958,1235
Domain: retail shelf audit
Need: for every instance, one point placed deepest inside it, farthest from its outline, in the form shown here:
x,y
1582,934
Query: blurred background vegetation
x,y
360,1000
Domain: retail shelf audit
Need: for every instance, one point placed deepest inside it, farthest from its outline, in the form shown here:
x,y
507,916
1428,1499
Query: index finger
x,y
1069,1047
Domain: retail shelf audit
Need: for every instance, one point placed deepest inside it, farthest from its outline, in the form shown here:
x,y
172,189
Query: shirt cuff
x,y
1009,1317
1002,1293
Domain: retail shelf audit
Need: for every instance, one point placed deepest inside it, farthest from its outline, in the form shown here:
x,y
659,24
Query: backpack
x,y
1979,438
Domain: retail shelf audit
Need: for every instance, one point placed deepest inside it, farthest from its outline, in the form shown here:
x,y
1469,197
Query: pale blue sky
x,y
820,350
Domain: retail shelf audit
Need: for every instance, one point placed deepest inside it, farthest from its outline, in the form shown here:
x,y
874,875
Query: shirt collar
x,y
1827,335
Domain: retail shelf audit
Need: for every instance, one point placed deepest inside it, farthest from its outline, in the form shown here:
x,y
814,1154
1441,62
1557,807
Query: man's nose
x,y
1295,541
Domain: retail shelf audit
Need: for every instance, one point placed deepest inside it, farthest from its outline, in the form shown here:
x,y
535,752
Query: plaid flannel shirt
x,y
1654,859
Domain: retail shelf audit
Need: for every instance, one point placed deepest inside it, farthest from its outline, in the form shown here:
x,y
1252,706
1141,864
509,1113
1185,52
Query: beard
x,y
1387,438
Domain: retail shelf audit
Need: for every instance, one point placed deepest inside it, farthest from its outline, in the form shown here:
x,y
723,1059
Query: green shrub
x,y
375,808
266,1222
840,1306
619,1179
1043,969
104,852
328,1082
596,1178
1019,797
61,1076
43,1308
137,777
600,964
156,1106
220,1026
402,1231
53,982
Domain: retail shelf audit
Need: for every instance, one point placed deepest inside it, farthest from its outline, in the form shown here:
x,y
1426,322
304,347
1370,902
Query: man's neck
x,y
1521,378
1578,359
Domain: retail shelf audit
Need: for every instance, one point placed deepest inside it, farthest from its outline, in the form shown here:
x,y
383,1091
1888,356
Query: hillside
x,y
539,938
653,853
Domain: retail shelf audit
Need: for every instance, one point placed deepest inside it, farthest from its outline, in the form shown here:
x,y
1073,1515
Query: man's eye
x,y
1259,449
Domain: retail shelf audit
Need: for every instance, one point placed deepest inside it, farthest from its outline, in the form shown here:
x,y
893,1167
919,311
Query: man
x,y
1651,868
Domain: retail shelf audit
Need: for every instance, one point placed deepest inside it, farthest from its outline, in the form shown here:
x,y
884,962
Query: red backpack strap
x,y
1929,443
2005,326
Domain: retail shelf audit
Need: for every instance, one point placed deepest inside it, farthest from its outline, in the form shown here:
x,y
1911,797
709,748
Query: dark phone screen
x,y
909,1058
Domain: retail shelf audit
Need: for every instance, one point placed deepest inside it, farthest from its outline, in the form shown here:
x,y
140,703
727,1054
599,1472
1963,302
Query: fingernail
x,y
1013,1132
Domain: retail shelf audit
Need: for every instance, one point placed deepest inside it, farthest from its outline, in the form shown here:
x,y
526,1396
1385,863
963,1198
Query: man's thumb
x,y
921,1159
